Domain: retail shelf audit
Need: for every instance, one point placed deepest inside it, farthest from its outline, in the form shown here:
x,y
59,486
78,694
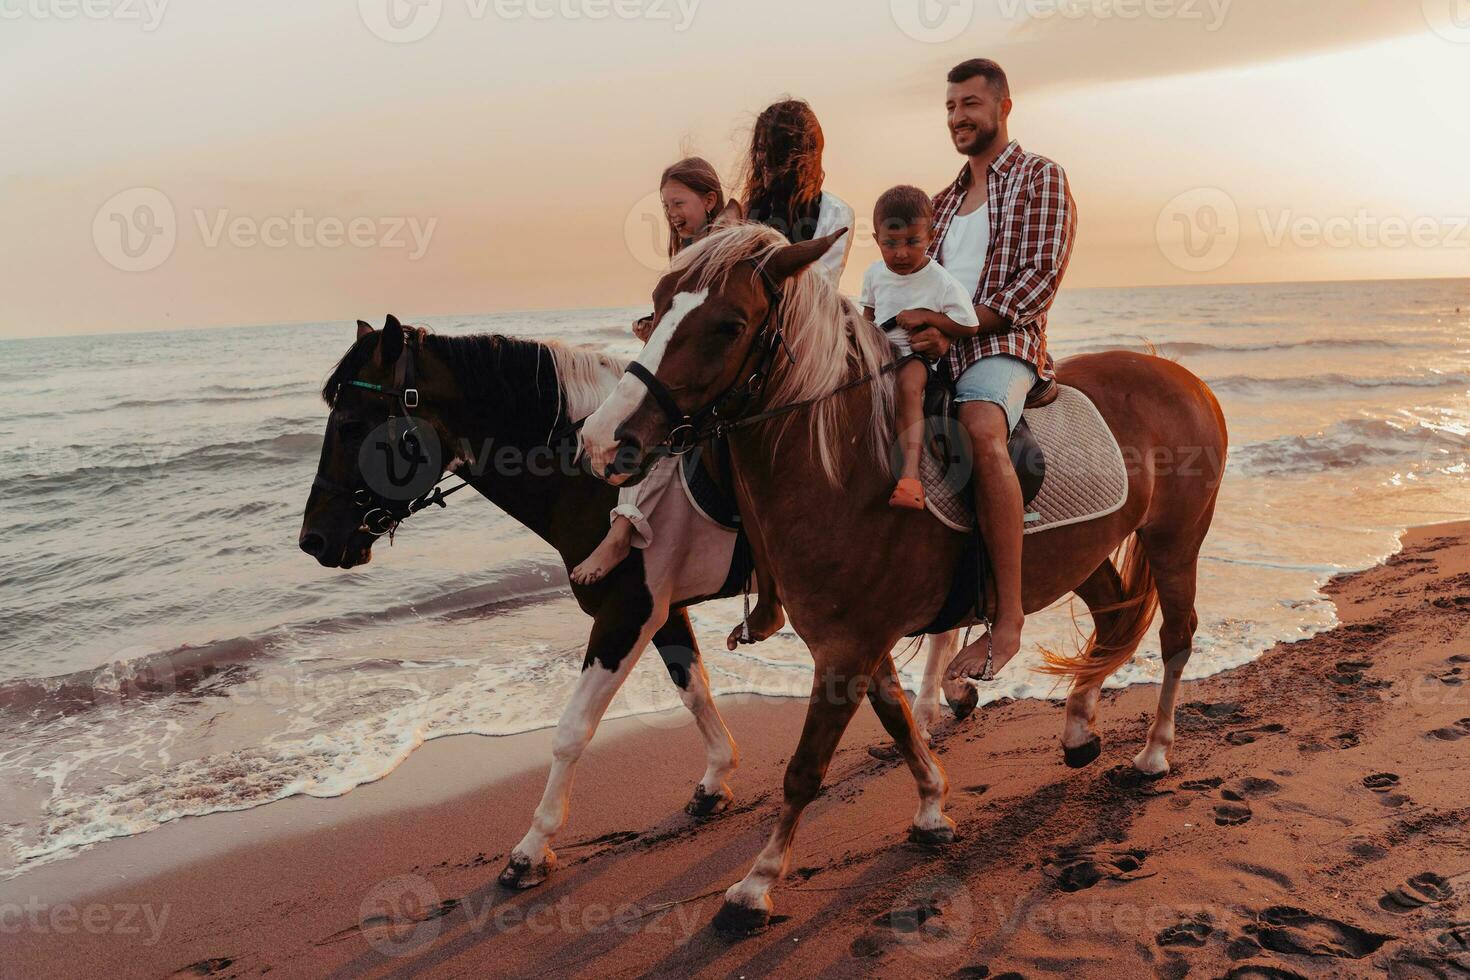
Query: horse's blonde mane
x,y
830,339
586,377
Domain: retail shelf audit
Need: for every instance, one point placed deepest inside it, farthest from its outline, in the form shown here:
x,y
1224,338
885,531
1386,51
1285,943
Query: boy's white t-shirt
x,y
931,288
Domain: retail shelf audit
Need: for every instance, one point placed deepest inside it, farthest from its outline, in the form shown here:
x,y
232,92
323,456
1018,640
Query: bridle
x,y
381,515
716,417
722,414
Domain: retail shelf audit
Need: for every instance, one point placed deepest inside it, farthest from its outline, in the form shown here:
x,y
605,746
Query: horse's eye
x,y
733,328
351,429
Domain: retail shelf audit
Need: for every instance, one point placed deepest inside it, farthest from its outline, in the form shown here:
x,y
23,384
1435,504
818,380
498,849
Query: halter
x,y
713,420
380,515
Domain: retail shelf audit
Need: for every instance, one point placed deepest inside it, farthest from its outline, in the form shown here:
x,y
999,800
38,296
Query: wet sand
x,y
1315,824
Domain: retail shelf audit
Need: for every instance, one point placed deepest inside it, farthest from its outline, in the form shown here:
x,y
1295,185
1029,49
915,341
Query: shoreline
x,y
298,873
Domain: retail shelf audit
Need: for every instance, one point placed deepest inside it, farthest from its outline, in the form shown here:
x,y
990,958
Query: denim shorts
x,y
999,379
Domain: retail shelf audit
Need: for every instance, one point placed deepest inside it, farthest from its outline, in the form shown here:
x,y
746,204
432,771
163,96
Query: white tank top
x,y
965,248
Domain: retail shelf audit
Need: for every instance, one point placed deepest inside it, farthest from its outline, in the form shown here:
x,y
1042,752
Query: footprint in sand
x,y
1452,733
1232,814
1225,711
1346,740
1381,782
1194,932
1246,736
204,968
1260,971
1074,869
1451,678
1286,929
1201,785
1459,658
1456,940
1426,888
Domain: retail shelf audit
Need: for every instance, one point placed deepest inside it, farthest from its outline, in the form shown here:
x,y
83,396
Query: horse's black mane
x,y
492,372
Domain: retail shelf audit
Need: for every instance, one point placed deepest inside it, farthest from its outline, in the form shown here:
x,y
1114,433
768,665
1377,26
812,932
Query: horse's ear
x,y
392,344
788,260
363,329
733,214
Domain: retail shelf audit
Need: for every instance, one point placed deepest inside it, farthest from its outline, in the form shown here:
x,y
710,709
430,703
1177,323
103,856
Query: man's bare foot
x,y
609,555
766,621
1002,643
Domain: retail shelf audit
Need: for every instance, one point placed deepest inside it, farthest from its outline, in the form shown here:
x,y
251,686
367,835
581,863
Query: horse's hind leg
x,y
617,640
942,648
677,646
1081,745
931,826
836,693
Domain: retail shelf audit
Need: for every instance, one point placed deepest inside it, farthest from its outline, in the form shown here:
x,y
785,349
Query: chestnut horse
x,y
747,344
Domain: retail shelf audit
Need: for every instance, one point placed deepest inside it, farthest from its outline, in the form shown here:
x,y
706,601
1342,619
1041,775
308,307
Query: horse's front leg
x,y
680,652
942,648
620,633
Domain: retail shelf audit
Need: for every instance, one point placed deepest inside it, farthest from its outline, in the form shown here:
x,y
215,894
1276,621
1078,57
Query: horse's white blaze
x,y
599,434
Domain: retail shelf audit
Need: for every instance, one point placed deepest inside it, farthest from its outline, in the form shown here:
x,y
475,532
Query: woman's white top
x,y
832,214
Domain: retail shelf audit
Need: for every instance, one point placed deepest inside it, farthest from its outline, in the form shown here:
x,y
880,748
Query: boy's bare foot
x,y
608,555
766,621
1002,643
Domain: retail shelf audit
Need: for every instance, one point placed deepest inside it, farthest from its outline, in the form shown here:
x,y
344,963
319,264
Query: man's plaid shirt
x,y
1033,221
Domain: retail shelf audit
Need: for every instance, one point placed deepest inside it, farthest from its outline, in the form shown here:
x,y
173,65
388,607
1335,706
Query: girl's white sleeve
x,y
835,214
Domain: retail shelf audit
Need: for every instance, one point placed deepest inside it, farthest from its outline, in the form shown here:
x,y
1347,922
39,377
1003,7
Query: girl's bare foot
x,y
608,555
766,621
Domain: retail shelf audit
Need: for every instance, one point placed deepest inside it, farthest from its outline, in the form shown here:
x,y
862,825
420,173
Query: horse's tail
x,y
1123,626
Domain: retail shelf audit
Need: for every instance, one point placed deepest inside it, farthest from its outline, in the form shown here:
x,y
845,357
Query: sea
x,y
167,651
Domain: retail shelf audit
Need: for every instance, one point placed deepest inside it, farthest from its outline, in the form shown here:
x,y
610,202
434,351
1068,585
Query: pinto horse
x,y
747,345
512,399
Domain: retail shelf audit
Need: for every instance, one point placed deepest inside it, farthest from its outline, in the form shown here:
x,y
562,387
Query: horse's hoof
x,y
934,837
520,873
1083,755
886,753
704,805
965,706
741,920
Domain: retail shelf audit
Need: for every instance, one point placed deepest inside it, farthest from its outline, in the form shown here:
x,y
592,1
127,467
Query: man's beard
x,y
983,140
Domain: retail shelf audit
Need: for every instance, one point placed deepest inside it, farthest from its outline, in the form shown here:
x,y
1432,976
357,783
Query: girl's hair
x,y
783,175
699,176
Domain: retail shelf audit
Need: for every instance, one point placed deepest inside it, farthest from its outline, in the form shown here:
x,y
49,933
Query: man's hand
x,y
913,320
643,329
929,342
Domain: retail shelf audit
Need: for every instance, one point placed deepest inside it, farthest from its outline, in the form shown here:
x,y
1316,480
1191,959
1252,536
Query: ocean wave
x,y
1352,443
1184,348
1335,382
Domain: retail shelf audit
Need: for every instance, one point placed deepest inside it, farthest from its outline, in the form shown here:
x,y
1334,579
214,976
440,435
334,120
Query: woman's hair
x,y
783,174
699,176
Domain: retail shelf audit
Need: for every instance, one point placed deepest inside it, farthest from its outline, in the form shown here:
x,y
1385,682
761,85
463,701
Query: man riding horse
x,y
1004,229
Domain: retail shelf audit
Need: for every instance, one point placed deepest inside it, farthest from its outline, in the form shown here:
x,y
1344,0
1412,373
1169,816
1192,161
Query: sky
x,y
184,163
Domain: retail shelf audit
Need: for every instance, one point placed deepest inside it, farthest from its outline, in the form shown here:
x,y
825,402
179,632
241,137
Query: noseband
x,y
714,419
380,515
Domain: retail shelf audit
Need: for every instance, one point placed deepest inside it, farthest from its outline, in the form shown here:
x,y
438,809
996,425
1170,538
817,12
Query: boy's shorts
x,y
999,379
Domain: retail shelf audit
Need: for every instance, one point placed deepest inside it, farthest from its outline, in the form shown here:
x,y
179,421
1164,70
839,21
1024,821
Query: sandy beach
x,y
1314,824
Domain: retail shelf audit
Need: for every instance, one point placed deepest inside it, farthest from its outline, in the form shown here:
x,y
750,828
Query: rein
x,y
713,420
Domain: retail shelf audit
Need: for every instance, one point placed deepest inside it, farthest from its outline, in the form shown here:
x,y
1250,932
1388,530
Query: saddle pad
x,y
712,502
1085,474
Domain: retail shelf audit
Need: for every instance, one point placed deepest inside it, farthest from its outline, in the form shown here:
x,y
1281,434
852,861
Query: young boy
x,y
905,292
